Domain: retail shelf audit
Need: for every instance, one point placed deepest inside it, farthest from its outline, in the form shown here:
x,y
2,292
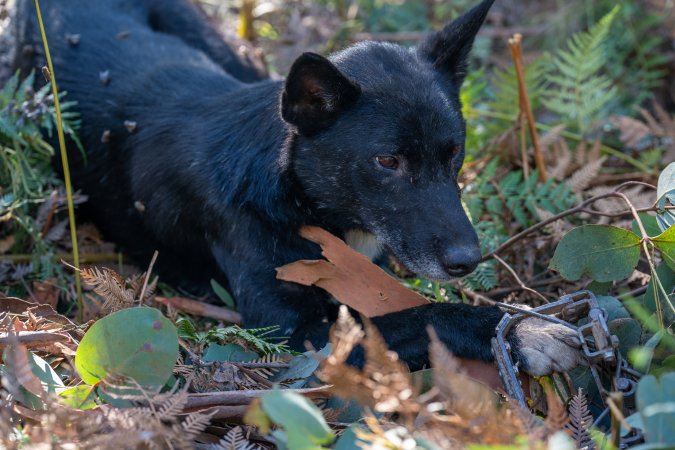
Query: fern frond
x,y
580,421
235,440
581,179
581,91
108,284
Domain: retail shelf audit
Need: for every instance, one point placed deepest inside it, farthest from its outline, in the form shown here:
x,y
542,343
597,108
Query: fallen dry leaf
x,y
355,281
350,277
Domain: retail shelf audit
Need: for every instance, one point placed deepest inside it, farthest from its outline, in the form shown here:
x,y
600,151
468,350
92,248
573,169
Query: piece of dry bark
x,y
350,277
355,281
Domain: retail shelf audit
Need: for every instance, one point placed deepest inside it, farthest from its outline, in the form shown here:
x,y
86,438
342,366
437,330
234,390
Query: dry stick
x,y
518,280
147,276
33,338
516,52
523,142
232,398
201,309
64,163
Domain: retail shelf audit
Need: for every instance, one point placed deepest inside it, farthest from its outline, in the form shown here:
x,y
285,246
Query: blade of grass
x,y
64,162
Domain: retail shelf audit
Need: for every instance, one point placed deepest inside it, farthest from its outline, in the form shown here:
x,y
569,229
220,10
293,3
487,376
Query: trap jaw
x,y
600,348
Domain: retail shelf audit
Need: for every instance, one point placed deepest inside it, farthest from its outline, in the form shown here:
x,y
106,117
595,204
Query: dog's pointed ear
x,y
316,92
449,48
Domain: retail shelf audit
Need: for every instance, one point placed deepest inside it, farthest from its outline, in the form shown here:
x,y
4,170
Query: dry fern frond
x,y
633,132
111,286
384,384
468,398
581,179
235,440
580,421
563,160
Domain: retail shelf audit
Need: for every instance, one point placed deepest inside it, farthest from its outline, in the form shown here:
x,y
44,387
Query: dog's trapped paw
x,y
543,347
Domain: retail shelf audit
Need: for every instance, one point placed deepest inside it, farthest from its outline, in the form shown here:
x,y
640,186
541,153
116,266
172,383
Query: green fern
x,y
581,90
513,196
506,98
258,339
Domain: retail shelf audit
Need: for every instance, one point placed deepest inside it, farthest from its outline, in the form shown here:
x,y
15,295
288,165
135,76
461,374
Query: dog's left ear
x,y
449,48
316,93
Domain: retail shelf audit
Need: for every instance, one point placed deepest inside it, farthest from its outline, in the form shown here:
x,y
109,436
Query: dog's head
x,y
380,140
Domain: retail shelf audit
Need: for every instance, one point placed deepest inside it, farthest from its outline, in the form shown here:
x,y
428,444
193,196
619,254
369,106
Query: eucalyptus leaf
x,y
138,343
79,397
665,242
301,420
603,252
656,403
649,223
301,368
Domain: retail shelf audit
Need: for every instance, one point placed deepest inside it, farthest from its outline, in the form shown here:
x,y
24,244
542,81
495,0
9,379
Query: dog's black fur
x,y
224,167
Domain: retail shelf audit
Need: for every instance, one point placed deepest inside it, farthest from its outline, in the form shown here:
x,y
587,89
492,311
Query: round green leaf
x,y
79,397
665,242
138,343
603,252
304,425
656,402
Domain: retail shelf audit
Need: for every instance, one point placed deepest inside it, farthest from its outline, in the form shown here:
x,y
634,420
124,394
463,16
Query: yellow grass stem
x,y
64,162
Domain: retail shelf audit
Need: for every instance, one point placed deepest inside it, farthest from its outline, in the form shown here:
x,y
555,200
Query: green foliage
x,y
581,90
505,97
136,343
257,339
27,121
656,402
301,423
515,197
602,252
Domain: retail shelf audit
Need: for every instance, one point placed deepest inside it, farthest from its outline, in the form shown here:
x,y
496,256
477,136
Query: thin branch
x,y
574,210
518,280
147,276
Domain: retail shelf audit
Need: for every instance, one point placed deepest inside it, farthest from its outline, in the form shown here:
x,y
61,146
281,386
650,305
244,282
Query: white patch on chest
x,y
364,243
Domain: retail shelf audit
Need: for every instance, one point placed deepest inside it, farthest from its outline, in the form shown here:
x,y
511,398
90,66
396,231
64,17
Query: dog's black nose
x,y
460,261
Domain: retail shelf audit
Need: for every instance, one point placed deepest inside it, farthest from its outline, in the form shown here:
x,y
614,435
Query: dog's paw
x,y
542,347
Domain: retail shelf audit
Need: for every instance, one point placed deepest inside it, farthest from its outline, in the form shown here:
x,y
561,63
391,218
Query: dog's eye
x,y
455,150
387,161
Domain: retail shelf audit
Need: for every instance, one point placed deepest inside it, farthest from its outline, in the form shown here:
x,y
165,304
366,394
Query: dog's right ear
x,y
448,50
316,92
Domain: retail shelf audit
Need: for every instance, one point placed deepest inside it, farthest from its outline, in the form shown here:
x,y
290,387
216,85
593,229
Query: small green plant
x,y
27,179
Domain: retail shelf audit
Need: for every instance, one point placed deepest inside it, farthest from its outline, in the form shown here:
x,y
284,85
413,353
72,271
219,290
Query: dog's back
x,y
135,86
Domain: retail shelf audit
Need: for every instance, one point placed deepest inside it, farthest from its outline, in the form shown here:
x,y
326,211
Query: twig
x,y
32,338
525,106
201,309
580,207
232,398
147,276
518,280
64,163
